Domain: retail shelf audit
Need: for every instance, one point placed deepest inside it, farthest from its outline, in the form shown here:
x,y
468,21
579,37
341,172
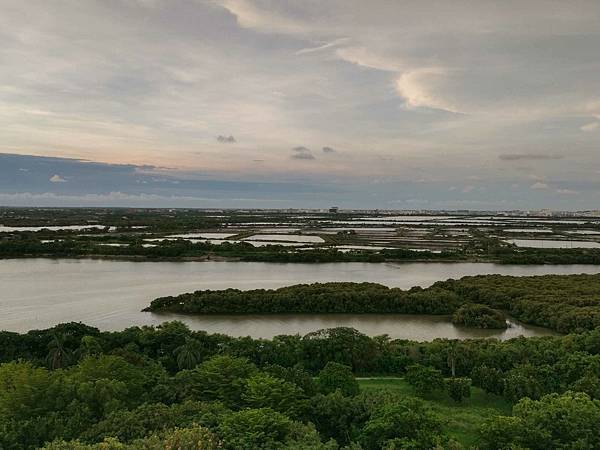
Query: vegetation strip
x,y
68,245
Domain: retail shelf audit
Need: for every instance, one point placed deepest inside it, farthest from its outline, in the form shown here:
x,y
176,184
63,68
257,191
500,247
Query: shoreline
x,y
218,258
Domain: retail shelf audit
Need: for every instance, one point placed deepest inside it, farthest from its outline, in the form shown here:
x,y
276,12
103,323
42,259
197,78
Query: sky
x,y
406,104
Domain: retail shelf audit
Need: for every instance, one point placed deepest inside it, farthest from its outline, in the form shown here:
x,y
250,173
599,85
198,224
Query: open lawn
x,y
462,419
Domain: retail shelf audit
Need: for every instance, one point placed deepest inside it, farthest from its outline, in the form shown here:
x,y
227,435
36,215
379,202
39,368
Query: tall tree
x,y
189,354
58,355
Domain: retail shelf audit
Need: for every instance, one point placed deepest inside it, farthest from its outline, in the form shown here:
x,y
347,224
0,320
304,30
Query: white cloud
x,y
57,179
369,58
593,126
567,192
417,88
250,15
321,47
122,199
539,186
536,177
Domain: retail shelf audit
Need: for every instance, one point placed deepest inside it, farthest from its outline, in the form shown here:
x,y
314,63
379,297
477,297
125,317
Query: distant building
x,y
334,209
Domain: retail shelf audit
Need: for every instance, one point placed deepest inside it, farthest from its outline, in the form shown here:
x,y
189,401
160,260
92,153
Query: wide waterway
x,y
39,293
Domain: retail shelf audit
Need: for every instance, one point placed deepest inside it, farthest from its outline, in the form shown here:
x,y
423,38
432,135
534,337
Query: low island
x,y
563,303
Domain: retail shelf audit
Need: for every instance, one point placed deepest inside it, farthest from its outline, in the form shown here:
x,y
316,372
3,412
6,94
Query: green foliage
x,y
295,375
161,342
24,390
122,389
311,298
404,424
335,377
502,433
458,388
566,303
337,416
529,381
139,377
489,379
589,384
342,345
58,354
221,378
189,354
479,316
567,421
90,346
255,429
424,379
192,438
149,418
37,405
265,391
572,366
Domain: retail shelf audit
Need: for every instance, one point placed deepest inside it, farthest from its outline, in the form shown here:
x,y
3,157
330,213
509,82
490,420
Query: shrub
x,y
458,388
479,316
424,379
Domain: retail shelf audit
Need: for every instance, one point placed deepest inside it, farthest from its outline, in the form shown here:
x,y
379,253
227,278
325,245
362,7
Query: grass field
x,y
462,419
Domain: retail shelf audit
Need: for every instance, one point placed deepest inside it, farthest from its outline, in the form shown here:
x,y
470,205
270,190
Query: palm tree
x,y
454,353
189,354
58,355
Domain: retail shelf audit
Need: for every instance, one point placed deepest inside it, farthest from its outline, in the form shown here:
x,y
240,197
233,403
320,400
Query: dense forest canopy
x,y
75,387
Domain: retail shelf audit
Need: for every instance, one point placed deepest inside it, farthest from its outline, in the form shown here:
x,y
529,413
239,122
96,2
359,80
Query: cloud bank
x,y
416,93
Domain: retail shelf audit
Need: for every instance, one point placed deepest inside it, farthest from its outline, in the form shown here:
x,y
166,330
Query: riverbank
x,y
216,257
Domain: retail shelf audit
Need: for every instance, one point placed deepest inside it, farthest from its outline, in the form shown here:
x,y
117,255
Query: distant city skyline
x,y
300,104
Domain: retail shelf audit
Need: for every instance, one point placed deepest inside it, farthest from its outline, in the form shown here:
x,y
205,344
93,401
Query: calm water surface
x,y
39,293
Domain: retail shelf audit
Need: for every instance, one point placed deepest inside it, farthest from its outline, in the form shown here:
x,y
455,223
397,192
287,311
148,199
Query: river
x,y
39,293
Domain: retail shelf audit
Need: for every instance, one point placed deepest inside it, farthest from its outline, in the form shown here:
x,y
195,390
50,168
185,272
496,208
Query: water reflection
x,y
397,326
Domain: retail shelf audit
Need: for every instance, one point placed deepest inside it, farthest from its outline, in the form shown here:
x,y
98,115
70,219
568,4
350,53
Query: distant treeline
x,y
513,255
153,219
565,303
64,245
73,245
